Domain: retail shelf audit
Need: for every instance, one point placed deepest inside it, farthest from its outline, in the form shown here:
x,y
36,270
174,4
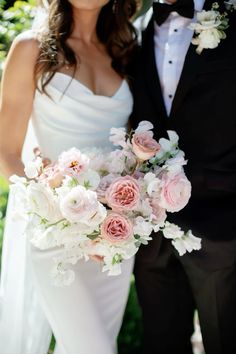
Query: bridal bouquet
x,y
104,203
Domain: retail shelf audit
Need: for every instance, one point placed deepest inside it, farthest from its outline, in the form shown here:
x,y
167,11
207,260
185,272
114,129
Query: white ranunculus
x,y
79,205
42,202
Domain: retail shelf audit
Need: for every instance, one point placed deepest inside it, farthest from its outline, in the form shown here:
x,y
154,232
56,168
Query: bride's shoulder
x,y
24,49
27,40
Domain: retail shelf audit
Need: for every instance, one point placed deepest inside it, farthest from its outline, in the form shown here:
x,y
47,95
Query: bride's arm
x,y
16,100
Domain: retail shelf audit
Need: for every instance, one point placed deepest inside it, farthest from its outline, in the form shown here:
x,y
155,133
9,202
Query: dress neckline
x,y
79,83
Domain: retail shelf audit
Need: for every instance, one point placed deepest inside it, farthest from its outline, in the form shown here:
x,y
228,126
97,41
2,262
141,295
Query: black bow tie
x,y
161,11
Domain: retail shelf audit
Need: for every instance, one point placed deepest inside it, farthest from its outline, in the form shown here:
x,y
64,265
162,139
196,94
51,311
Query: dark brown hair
x,y
114,30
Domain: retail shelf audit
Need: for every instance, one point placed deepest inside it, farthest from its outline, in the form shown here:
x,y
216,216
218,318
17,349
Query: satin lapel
x,y
151,74
192,64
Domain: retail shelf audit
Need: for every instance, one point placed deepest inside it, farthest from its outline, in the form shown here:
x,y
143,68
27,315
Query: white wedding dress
x,y
86,316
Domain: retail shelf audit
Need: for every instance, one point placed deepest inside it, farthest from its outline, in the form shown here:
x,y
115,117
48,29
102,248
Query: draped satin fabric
x,y
71,115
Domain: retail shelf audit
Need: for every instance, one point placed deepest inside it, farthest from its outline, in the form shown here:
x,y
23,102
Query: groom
x,y
194,94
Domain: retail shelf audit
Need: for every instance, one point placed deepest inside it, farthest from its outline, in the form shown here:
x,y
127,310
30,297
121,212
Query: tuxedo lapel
x,y
151,74
192,64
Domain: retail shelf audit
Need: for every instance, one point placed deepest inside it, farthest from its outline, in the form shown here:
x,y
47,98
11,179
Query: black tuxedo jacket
x,y
204,116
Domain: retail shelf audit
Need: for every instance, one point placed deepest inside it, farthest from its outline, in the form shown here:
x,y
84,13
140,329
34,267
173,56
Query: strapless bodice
x,y
71,115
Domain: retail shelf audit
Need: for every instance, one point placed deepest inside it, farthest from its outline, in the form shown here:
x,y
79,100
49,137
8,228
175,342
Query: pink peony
x,y
123,194
116,228
144,146
175,192
73,162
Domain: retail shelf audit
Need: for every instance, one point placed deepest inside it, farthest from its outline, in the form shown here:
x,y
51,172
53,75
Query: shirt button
x,y
170,96
175,30
170,61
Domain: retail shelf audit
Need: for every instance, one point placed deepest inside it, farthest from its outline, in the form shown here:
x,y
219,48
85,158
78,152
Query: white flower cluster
x,y
103,203
209,28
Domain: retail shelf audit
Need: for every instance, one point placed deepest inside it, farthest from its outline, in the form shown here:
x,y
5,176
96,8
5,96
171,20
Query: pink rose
x,y
175,192
123,194
73,162
144,146
116,228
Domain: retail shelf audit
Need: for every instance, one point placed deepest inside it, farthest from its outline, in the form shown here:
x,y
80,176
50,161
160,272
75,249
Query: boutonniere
x,y
210,27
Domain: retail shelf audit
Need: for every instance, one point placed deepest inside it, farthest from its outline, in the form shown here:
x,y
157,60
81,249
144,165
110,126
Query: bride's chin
x,y
88,5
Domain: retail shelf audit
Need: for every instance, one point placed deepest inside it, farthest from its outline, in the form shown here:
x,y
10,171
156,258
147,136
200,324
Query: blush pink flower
x,y
52,176
104,184
158,212
123,194
144,146
73,162
175,192
116,228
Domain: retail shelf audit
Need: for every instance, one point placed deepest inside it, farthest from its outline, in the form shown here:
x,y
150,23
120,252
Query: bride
x,y
67,81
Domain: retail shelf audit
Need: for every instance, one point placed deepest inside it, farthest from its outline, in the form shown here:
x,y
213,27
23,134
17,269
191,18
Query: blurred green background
x,y
15,17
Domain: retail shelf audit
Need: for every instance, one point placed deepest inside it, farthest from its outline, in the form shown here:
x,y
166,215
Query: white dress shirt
x,y
172,40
